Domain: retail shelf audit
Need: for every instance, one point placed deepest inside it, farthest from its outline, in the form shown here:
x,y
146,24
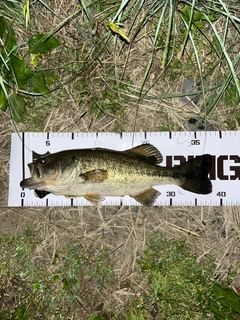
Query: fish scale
x,y
176,148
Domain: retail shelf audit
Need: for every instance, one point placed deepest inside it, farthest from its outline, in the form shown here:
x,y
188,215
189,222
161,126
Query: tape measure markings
x,y
176,148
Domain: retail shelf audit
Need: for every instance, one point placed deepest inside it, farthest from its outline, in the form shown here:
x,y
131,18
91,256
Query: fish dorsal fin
x,y
147,152
147,197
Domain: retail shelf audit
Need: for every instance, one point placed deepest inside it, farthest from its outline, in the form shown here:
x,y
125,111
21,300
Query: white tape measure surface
x,y
176,147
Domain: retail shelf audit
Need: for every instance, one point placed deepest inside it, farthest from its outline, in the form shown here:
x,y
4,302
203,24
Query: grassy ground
x,y
64,263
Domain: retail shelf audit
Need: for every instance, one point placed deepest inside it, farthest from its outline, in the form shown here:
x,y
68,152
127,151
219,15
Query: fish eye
x,y
42,160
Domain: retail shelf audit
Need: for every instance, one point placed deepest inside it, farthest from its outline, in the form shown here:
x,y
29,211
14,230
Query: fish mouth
x,y
35,171
32,182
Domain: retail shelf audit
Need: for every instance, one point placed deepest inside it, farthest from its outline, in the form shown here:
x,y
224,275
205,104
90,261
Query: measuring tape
x,y
176,147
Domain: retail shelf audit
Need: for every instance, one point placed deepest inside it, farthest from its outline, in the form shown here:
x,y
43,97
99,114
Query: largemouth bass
x,y
97,173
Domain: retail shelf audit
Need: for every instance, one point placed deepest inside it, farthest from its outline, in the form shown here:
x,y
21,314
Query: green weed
x,y
20,79
183,38
180,288
32,287
76,281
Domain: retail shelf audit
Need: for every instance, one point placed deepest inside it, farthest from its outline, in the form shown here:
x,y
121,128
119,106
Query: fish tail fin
x,y
195,175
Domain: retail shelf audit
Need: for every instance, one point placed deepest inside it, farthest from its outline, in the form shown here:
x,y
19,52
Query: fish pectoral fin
x,y
147,197
147,152
96,175
95,199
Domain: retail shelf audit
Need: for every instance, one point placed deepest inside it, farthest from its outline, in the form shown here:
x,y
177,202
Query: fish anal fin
x,y
95,199
147,152
147,197
96,175
195,175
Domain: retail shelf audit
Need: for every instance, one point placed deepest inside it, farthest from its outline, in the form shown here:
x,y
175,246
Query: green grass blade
x,y
142,22
223,88
233,18
88,13
179,94
26,12
198,63
2,85
225,53
4,60
48,8
189,25
120,10
169,35
160,23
